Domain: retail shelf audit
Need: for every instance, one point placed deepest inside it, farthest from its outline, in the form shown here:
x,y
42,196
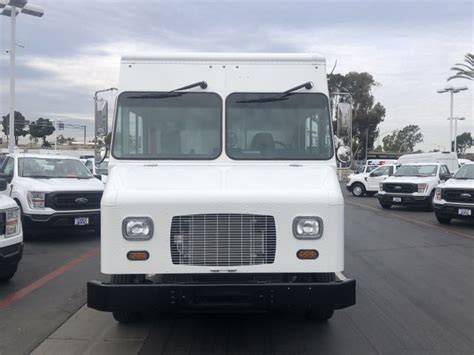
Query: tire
x,y
358,190
443,220
8,272
386,206
320,314
429,204
126,316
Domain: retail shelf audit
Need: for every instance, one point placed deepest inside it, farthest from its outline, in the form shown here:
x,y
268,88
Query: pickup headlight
x,y
36,199
137,228
308,227
422,188
380,186
438,193
12,222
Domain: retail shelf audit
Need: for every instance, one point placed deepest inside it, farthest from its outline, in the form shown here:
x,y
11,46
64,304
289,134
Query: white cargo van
x,y
447,158
222,190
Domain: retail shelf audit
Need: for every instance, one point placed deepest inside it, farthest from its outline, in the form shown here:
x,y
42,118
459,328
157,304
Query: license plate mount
x,y
464,212
397,199
81,221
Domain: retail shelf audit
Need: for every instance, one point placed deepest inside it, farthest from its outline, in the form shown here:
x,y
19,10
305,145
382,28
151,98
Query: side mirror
x,y
98,176
343,154
3,184
100,153
6,177
101,117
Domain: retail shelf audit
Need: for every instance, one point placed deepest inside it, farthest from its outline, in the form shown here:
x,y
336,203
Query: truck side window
x,y
8,166
390,171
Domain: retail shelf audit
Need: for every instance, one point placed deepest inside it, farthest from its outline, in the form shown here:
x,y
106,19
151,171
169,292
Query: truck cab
x,y
222,188
368,183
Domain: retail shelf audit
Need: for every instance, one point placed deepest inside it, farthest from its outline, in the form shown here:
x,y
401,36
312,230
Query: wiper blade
x,y
172,93
279,97
37,176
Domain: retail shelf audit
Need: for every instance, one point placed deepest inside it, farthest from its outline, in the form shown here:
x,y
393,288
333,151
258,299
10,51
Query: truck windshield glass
x,y
293,127
417,170
52,168
465,173
154,125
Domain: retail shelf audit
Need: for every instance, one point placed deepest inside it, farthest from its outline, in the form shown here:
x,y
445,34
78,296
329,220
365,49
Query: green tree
x,y
464,70
20,124
463,142
404,140
41,128
367,114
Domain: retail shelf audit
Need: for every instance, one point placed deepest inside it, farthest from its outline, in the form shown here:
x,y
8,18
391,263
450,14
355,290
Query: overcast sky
x,y
408,46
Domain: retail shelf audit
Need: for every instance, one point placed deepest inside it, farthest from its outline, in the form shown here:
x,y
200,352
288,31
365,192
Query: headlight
x,y
308,227
12,222
438,193
36,199
380,186
422,188
137,228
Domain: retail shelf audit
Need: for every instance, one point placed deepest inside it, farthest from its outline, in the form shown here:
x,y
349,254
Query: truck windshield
x,y
52,168
417,170
153,125
466,172
293,127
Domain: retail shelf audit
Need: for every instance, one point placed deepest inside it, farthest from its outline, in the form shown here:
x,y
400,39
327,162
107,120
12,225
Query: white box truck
x,y
222,188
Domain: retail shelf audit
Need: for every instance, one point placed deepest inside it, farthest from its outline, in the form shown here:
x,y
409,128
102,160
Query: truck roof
x,y
227,57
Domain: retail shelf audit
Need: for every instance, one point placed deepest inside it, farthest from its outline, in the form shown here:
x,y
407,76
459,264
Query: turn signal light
x,y
307,254
138,255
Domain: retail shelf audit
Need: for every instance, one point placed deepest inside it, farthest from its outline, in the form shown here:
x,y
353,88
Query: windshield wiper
x,y
37,176
279,97
463,178
172,93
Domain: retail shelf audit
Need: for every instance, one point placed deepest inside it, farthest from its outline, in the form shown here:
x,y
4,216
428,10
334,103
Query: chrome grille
x,y
400,188
223,239
461,196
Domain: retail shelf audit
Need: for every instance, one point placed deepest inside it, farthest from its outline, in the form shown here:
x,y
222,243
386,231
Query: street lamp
x,y
452,90
12,8
456,119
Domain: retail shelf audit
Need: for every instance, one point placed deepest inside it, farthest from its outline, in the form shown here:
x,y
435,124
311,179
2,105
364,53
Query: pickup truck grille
x,y
67,201
400,188
461,196
223,239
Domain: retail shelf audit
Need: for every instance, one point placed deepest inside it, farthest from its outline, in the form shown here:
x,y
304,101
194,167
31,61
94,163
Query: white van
x,y
222,190
449,159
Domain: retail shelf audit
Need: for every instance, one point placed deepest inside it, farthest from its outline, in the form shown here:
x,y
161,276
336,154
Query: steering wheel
x,y
281,143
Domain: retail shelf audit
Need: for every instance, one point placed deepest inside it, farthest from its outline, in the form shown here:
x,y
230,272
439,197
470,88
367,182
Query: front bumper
x,y
60,220
451,210
11,255
411,200
259,296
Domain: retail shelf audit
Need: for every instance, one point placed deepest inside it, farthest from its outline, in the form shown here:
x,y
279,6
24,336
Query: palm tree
x,y
464,70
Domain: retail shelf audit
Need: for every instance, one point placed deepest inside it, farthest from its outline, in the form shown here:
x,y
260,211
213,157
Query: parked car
x,y
11,237
368,183
412,185
53,192
455,197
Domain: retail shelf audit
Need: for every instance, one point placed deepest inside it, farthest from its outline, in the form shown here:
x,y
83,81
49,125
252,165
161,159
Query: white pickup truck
x,y
53,191
368,183
412,185
11,237
454,199
223,190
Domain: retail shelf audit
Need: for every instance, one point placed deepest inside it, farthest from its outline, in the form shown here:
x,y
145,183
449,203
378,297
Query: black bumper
x,y
408,200
60,220
268,296
452,211
11,255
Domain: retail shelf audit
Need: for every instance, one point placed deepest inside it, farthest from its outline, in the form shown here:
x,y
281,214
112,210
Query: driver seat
x,y
263,142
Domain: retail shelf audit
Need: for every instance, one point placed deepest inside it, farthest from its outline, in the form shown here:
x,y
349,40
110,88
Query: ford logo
x,y
397,187
465,196
81,200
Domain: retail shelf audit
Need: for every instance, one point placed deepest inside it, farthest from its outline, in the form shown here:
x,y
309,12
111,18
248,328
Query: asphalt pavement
x,y
415,295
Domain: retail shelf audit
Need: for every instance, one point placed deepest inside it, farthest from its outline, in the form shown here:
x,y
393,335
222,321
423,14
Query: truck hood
x,y
48,185
458,184
410,179
7,202
257,183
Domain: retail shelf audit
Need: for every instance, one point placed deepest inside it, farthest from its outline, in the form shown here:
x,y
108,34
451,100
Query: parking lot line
x,y
17,295
409,219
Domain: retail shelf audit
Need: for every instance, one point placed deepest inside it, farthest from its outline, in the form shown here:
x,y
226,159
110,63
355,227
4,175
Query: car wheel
x,y
7,273
386,206
429,204
127,316
443,220
358,190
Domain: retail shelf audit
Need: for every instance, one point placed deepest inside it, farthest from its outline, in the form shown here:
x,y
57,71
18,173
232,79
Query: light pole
x,y
452,90
456,119
12,8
